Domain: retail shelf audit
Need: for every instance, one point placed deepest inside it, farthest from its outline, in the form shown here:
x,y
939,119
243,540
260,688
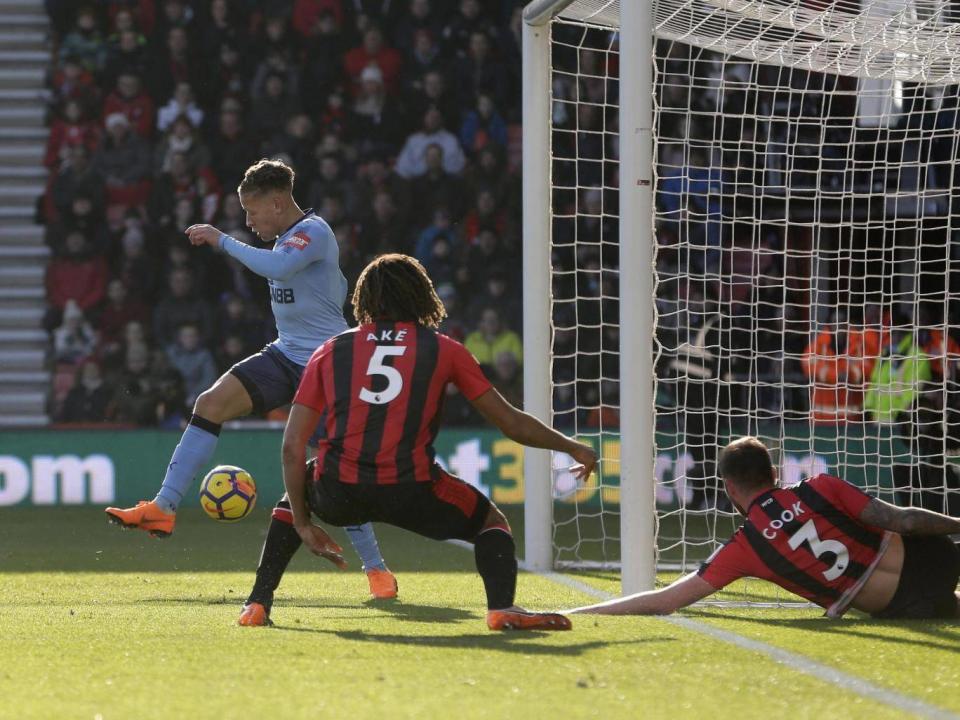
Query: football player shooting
x,y
824,540
381,386
307,291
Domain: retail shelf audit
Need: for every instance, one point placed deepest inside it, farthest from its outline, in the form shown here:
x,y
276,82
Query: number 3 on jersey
x,y
393,376
808,534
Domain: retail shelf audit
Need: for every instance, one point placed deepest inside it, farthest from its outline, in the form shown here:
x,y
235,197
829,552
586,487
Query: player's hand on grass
x,y
203,235
586,458
320,543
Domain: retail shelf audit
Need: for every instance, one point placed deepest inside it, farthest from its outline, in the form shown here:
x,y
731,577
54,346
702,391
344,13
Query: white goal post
x,y
801,160
637,513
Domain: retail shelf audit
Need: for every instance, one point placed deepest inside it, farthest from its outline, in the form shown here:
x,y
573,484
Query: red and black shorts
x,y
928,580
442,509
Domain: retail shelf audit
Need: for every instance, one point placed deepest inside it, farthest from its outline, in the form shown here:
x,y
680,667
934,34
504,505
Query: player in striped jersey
x,y
381,388
824,540
307,291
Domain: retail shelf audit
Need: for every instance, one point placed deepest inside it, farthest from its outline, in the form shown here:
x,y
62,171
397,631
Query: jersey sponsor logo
x,y
299,241
282,296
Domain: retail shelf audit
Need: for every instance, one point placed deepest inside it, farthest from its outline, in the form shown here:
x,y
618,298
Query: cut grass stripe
x,y
803,664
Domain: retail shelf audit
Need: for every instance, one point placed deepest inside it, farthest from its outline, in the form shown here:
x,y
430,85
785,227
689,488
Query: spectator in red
x,y
72,82
124,158
129,99
373,51
308,16
68,131
119,310
76,275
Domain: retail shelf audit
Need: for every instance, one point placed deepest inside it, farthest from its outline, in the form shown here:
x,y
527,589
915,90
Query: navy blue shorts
x,y
269,377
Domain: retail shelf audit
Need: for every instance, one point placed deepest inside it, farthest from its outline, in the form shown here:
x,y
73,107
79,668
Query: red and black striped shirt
x,y
382,386
807,539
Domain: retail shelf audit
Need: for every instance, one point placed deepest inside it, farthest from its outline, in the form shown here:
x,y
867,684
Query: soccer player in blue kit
x,y
307,293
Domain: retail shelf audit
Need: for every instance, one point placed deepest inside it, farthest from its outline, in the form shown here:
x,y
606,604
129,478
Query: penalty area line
x,y
838,678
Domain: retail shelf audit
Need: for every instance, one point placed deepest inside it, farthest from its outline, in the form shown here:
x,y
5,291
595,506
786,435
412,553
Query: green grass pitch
x,y
99,623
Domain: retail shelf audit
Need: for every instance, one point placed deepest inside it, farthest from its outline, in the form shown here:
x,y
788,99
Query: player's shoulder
x,y
308,230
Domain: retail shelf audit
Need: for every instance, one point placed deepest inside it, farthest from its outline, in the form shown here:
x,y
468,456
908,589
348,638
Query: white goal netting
x,y
807,254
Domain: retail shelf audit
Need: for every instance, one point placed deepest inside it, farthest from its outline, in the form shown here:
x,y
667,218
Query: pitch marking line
x,y
797,662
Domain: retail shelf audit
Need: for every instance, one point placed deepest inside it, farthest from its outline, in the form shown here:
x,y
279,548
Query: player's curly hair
x,y
396,288
266,175
747,463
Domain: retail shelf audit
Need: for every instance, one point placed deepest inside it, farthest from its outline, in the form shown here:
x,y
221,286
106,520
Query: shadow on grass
x,y
525,642
861,627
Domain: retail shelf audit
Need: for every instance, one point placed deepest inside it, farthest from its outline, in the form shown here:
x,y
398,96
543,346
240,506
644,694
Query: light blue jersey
x,y
307,289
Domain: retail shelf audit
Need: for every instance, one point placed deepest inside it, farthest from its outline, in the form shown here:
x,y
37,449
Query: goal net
x,y
806,256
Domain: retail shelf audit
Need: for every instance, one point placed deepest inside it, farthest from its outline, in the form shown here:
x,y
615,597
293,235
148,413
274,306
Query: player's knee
x,y
496,520
211,405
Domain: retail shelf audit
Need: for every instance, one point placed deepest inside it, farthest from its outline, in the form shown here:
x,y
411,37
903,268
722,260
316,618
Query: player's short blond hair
x,y
266,176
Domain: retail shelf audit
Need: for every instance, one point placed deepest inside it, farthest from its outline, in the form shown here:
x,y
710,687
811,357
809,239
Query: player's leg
x,y
225,400
448,508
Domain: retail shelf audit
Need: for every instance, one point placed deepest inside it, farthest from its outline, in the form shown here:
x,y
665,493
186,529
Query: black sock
x,y
279,548
496,556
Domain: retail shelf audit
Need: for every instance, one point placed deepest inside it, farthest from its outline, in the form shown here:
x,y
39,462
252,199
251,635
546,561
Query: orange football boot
x,y
145,516
523,620
383,585
254,615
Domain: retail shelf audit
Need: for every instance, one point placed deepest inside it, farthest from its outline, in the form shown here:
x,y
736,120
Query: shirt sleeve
x,y
851,499
728,563
310,391
465,372
286,259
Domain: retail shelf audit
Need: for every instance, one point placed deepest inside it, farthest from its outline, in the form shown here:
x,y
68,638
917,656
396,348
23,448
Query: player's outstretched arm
x,y
908,521
300,425
528,430
685,591
266,263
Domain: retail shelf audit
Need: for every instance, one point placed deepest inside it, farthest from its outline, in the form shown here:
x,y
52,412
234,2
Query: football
x,y
228,493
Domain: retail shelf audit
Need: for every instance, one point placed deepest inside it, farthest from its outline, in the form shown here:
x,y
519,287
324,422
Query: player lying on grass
x,y
307,292
381,387
824,540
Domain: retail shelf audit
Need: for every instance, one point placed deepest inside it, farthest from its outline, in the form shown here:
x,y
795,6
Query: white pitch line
x,y
797,662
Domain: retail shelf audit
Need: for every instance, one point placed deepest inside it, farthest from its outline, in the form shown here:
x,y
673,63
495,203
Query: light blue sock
x,y
194,451
365,543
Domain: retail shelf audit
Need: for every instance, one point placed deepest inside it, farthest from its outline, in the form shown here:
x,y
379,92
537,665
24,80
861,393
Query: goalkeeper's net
x,y
806,255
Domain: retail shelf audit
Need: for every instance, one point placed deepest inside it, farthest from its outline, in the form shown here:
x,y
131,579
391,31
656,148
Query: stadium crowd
x,y
401,120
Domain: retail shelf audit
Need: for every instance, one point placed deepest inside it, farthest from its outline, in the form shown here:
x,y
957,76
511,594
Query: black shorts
x,y
928,580
442,509
269,377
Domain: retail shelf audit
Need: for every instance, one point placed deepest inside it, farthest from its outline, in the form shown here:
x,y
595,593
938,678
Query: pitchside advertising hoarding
x,y
91,467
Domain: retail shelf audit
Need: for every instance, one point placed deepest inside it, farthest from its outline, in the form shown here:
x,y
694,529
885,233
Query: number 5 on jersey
x,y
393,376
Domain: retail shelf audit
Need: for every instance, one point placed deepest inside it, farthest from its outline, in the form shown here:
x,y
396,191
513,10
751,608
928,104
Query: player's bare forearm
x,y
685,591
294,456
527,430
908,521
